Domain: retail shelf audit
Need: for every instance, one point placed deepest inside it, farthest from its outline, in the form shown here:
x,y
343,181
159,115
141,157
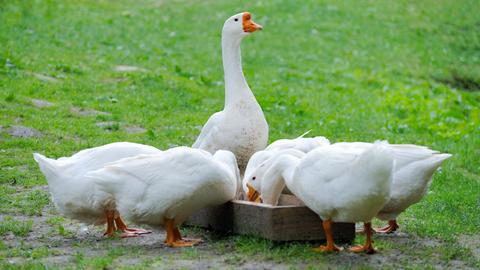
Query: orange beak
x,y
250,26
253,195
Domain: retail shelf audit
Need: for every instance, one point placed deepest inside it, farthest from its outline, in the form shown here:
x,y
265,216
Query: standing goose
x,y
241,126
77,197
339,185
162,190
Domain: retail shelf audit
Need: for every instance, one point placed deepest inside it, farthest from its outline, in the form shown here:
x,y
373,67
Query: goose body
x,y
74,195
241,126
414,168
343,186
301,144
412,175
265,159
338,184
162,190
297,147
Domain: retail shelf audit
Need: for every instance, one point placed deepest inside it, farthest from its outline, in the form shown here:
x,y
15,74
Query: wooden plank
x,y
291,220
218,218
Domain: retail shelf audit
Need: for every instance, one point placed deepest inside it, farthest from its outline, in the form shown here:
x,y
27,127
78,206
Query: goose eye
x,y
253,178
236,19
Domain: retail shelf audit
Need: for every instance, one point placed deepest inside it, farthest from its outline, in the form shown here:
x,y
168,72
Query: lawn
x,y
78,74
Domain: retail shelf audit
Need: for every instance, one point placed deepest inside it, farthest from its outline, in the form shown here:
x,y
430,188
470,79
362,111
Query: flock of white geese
x,y
341,182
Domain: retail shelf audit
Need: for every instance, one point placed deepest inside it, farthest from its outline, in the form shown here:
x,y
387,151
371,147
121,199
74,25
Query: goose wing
x,y
148,184
326,164
207,135
405,154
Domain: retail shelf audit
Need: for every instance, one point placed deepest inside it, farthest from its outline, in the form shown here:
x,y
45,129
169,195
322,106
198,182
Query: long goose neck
x,y
236,86
273,182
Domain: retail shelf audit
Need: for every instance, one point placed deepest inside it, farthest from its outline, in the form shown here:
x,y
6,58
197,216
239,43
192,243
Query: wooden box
x,y
291,220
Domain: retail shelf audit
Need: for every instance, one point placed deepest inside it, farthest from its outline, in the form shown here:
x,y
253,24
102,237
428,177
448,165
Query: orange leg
x,y
368,247
110,232
178,236
174,238
390,228
327,227
128,232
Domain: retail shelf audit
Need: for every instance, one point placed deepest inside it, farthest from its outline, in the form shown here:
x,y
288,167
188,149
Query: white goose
x,y
77,197
241,126
340,185
414,168
258,171
297,146
162,190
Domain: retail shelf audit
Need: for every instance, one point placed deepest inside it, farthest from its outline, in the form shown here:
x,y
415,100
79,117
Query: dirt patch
x,y
41,103
124,68
114,126
471,242
87,112
70,243
114,80
108,125
134,129
21,168
23,132
45,78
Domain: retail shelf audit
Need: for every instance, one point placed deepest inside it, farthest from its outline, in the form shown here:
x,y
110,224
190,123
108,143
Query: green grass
x,y
19,228
28,203
405,71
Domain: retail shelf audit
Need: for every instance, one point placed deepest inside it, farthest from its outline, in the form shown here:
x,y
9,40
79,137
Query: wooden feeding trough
x,y
291,220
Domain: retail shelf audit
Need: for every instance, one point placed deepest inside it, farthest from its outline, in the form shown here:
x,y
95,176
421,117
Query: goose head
x,y
254,180
240,25
254,162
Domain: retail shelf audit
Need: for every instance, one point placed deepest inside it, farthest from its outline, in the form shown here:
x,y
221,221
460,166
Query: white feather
x,y
342,185
172,184
241,126
73,194
414,168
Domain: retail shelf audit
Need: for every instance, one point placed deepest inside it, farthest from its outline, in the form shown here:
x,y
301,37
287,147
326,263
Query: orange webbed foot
x,y
193,240
136,231
109,234
174,238
390,228
128,235
362,248
368,246
330,247
182,243
323,248
188,240
128,232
